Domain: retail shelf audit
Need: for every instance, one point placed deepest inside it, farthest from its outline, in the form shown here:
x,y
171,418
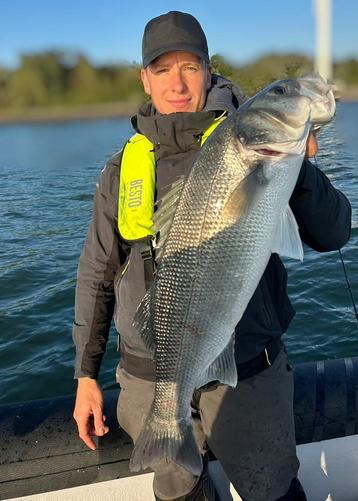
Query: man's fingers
x,y
312,146
99,425
89,442
88,412
84,433
106,428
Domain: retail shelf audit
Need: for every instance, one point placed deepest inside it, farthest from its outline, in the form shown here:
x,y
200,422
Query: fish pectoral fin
x,y
245,194
287,241
223,368
162,219
143,323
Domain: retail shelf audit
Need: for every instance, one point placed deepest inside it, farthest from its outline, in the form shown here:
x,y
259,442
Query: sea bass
x,y
218,228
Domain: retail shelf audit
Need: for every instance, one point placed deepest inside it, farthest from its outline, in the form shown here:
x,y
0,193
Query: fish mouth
x,y
279,150
268,153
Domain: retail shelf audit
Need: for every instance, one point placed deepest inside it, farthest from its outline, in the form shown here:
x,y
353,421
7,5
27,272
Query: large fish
x,y
220,226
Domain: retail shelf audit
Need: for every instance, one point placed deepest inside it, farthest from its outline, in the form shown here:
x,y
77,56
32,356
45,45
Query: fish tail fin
x,y
175,443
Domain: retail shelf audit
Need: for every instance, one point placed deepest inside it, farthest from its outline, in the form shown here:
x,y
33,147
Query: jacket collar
x,y
180,131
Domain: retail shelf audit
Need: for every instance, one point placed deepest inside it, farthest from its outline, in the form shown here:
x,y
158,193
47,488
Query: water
x,y
48,174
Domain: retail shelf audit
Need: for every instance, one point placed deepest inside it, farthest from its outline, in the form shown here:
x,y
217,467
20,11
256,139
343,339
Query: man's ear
x,y
145,81
208,77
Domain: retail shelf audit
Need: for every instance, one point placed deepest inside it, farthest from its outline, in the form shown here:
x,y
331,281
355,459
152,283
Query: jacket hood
x,y
223,95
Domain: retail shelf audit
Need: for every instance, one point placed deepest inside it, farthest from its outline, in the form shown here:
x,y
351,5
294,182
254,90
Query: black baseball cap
x,y
173,31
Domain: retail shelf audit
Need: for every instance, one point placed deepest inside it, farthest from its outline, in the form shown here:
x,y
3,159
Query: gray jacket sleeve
x,y
102,257
322,212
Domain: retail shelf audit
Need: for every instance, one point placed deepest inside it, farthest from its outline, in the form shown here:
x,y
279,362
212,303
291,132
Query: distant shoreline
x,y
64,114
97,111
350,94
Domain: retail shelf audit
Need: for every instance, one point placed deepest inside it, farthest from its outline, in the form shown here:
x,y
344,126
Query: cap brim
x,y
173,47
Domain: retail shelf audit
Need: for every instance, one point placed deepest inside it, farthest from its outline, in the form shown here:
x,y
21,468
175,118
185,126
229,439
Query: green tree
x,y
347,71
4,92
84,85
221,66
38,81
26,89
128,84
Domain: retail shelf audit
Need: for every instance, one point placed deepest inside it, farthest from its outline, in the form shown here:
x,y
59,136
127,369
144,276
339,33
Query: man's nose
x,y
178,83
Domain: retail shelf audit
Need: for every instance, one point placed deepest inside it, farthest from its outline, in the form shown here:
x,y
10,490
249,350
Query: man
x,y
250,429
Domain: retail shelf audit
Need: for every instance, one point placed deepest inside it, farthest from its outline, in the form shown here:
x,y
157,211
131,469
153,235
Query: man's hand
x,y
312,146
88,412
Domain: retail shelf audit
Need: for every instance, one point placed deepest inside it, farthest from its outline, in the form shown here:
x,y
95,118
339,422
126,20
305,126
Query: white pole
x,y
323,60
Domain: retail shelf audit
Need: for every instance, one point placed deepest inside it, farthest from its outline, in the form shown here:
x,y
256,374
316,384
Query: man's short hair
x,y
173,31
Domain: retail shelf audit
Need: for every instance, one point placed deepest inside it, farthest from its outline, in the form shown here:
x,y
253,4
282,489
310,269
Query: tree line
x,y
67,79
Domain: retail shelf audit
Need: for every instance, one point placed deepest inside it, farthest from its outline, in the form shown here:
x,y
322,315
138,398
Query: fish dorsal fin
x,y
287,241
163,217
162,220
223,368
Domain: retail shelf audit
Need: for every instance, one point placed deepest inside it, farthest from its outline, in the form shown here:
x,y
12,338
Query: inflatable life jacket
x,y
137,185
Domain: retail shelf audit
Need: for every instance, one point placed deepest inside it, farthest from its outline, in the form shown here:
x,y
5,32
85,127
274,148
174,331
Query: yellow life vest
x,y
137,185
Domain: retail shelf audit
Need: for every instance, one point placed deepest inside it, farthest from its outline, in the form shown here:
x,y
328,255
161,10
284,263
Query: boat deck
x,y
328,473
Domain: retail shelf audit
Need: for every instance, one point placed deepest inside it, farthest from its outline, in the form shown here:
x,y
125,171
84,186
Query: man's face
x,y
177,81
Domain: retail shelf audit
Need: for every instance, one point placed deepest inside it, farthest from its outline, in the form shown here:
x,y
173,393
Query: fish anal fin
x,y
287,241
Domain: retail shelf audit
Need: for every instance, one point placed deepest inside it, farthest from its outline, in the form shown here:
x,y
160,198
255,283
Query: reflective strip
x,y
318,425
125,268
212,127
137,185
267,357
351,397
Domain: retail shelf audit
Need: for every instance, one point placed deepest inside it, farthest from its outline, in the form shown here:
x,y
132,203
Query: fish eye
x,y
279,90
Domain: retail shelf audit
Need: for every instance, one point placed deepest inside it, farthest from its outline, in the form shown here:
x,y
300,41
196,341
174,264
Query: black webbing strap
x,y
143,368
147,253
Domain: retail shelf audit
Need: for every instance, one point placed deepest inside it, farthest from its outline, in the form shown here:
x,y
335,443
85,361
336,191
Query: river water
x,y
48,173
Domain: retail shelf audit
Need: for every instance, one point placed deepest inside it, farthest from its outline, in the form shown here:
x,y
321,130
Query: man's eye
x,y
191,68
161,71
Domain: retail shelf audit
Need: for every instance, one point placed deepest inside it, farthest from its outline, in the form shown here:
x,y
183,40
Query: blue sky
x,y
111,31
